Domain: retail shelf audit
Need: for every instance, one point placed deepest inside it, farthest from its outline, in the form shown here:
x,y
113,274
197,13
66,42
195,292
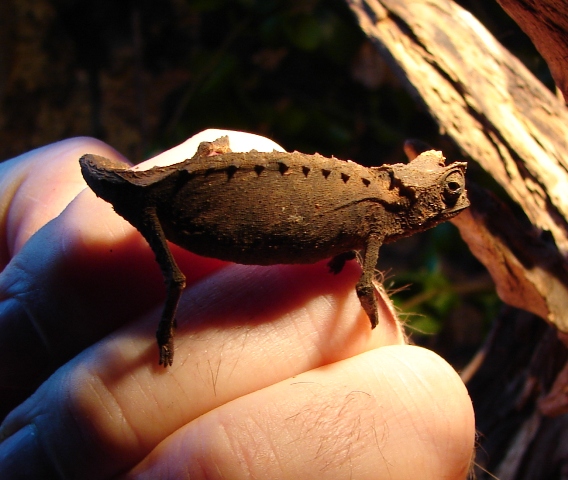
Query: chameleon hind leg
x,y
152,231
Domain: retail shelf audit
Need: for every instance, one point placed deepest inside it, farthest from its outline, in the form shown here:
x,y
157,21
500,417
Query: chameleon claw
x,y
366,294
166,346
167,353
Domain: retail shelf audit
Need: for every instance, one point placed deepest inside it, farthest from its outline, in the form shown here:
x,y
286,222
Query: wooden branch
x,y
528,272
546,23
498,113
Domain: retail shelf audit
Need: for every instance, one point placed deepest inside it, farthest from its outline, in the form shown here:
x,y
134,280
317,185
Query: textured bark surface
x,y
516,130
546,23
528,272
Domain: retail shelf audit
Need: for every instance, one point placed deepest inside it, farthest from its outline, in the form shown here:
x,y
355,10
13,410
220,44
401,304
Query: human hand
x,y
276,375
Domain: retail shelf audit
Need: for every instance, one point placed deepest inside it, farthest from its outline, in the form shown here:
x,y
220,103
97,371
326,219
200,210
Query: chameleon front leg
x,y
152,231
365,288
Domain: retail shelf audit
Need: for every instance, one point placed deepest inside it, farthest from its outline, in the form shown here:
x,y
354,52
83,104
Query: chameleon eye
x,y
453,187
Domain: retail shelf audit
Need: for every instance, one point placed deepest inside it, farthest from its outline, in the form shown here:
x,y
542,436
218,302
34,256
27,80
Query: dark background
x,y
145,75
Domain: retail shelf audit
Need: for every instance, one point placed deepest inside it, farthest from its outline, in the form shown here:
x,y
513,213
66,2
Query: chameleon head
x,y
435,192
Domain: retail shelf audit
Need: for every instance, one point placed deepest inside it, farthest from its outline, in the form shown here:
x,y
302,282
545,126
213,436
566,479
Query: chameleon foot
x,y
166,346
366,294
167,353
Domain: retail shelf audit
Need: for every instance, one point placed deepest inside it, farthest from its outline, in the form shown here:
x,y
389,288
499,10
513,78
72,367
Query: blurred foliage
x,y
286,70
146,75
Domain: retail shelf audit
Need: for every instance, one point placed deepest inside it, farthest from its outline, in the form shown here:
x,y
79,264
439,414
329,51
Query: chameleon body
x,y
271,208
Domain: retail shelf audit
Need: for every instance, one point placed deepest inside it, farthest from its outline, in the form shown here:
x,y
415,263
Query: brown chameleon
x,y
268,208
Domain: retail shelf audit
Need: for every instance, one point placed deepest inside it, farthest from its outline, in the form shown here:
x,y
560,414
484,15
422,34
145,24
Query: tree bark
x,y
546,23
507,122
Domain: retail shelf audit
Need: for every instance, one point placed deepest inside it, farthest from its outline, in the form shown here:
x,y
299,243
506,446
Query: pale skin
x,y
277,374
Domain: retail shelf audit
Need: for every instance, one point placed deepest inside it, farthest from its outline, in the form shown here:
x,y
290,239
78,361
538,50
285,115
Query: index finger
x,y
72,280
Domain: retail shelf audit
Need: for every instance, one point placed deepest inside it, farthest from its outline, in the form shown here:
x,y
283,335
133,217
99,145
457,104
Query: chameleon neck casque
x,y
260,208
